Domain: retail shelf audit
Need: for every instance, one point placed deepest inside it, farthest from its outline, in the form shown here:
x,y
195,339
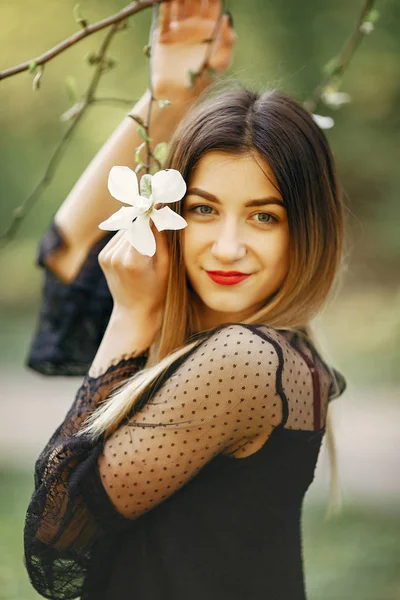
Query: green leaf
x,y
191,78
76,11
145,186
139,168
211,72
71,87
332,67
36,80
78,16
147,50
123,26
32,66
373,16
142,132
111,62
138,152
161,152
153,169
164,103
92,58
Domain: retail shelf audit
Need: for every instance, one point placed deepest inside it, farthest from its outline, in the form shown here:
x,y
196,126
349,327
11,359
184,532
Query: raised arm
x,y
76,302
179,47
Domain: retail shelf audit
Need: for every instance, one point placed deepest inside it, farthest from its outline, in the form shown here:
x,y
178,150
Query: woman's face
x,y
236,222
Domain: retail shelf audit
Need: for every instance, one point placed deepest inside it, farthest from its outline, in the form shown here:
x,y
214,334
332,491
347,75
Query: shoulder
x,y
241,333
239,344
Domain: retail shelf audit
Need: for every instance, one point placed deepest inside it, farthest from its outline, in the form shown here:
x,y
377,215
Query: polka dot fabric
x,y
223,394
225,397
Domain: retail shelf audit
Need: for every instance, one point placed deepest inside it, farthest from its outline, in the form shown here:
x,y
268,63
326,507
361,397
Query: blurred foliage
x,y
280,44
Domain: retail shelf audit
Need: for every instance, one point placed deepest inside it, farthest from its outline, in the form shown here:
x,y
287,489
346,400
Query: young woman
x,y
180,470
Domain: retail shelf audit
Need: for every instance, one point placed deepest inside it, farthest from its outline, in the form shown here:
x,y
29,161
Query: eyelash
x,y
273,219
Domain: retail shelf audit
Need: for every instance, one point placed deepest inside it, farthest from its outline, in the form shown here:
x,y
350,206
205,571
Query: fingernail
x,y
230,17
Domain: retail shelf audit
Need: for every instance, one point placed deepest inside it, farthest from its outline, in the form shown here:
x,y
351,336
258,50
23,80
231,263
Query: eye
x,y
268,220
204,209
194,209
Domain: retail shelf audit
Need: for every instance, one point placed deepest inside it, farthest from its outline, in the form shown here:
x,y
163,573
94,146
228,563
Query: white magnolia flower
x,y
367,27
164,187
336,99
323,122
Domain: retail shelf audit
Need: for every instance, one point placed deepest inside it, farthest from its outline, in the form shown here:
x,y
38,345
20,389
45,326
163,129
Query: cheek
x,y
278,256
192,242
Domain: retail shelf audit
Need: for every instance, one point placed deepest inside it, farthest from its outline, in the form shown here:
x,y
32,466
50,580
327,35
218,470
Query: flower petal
x,y
121,219
167,186
323,122
165,218
141,236
123,184
143,203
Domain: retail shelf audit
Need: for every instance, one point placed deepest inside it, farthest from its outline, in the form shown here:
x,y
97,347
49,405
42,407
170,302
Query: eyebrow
x,y
212,198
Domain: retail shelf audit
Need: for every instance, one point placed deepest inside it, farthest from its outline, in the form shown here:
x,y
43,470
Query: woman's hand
x,y
180,46
137,283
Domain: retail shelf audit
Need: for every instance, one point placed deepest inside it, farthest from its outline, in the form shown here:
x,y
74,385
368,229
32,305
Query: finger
x,y
224,42
180,10
124,255
174,10
165,17
226,34
193,8
111,243
104,255
211,9
130,258
112,251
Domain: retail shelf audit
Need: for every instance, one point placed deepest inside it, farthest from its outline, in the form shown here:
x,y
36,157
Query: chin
x,y
224,305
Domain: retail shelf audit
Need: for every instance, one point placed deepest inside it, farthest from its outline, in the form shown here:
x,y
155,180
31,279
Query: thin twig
x,y
149,154
144,126
342,60
131,9
105,100
21,211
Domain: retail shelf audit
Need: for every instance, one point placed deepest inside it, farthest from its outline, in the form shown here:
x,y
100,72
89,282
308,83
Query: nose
x,y
228,247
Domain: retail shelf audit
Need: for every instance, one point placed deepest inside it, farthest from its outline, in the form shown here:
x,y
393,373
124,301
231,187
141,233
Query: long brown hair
x,y
277,128
285,135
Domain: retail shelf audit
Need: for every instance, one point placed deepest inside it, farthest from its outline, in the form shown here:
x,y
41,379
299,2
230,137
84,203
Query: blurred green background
x,y
280,44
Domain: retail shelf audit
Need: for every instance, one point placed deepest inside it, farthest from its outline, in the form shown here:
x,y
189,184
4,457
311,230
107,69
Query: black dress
x,y
171,506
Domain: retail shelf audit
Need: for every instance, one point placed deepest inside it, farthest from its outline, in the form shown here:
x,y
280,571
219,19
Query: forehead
x,y
243,175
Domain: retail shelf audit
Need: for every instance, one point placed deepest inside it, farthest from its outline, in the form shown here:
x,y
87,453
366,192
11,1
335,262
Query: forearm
x,y
125,335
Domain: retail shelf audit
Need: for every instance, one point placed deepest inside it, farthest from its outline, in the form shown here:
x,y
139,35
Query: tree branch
x,y
88,98
106,100
131,9
149,154
342,60
144,126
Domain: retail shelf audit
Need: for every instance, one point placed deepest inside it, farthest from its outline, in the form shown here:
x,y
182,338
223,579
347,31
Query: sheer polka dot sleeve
x,y
222,395
233,388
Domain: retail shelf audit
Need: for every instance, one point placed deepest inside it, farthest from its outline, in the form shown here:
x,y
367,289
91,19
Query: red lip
x,y
227,277
227,273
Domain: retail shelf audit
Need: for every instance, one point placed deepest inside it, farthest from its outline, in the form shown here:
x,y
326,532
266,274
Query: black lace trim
x,y
70,511
73,317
